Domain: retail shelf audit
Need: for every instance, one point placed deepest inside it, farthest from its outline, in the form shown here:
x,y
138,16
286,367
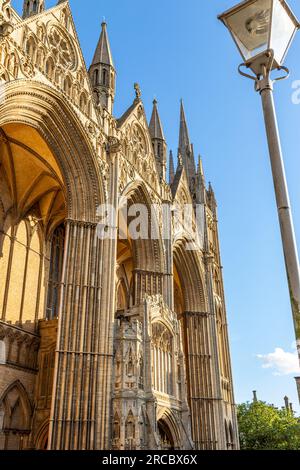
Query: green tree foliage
x,y
263,427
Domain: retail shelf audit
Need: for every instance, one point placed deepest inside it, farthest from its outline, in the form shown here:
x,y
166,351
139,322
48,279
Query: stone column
x,y
146,282
168,243
80,412
216,370
203,397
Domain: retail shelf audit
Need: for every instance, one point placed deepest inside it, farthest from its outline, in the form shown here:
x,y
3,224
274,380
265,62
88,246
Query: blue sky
x,y
177,49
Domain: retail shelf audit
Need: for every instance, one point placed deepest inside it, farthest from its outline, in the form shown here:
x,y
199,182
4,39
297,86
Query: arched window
x,y
96,77
55,272
50,68
162,359
40,58
34,6
158,149
27,9
30,47
104,77
122,296
83,102
15,416
67,85
116,427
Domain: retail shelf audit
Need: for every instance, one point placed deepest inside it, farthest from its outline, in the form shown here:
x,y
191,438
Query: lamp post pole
x,y
263,31
265,87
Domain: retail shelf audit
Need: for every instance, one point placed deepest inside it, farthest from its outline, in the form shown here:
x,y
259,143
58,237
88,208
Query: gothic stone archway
x,y
33,109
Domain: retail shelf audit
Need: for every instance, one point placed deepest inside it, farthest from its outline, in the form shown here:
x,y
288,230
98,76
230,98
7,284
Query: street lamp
x,y
263,31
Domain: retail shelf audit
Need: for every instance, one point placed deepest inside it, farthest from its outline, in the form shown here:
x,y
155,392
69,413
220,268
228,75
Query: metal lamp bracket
x,y
264,80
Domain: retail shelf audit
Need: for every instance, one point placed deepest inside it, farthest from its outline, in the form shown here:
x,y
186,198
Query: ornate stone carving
x,y
114,145
139,146
64,49
27,67
138,92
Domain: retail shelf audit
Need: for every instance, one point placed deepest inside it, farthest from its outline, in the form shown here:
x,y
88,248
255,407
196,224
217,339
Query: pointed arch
x,y
148,254
188,266
41,439
168,422
66,138
116,426
17,408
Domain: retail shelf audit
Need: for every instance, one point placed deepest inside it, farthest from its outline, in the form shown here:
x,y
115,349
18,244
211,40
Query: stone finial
x,y
138,92
255,400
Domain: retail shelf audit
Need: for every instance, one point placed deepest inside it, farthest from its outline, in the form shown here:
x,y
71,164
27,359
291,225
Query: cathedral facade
x,y
110,338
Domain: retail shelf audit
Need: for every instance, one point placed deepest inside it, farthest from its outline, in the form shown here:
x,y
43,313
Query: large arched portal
x,y
50,188
139,230
198,335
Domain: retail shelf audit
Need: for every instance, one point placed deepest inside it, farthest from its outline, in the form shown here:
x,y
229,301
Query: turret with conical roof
x,y
102,72
32,7
158,141
185,149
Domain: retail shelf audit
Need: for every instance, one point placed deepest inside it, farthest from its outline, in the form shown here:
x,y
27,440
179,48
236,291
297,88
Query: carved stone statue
x,y
138,92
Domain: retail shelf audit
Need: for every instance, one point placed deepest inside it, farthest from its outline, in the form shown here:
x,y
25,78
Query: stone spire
x,y
155,126
158,141
32,7
200,185
171,168
102,72
211,199
185,149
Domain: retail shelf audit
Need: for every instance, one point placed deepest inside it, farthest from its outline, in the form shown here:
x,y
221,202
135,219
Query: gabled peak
x,y
103,52
137,103
155,127
180,181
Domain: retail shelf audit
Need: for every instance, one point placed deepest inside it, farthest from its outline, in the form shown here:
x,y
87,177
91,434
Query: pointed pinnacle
x,y
155,126
103,52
